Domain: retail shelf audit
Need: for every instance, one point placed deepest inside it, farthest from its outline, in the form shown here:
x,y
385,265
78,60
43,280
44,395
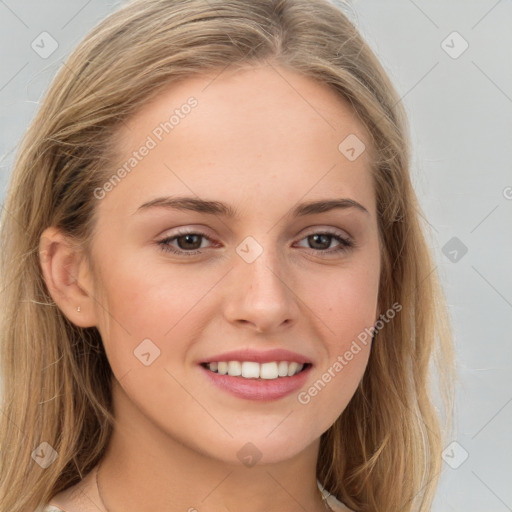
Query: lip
x,y
258,389
268,356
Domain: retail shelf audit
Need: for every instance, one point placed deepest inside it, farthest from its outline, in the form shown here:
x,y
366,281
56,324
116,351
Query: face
x,y
262,267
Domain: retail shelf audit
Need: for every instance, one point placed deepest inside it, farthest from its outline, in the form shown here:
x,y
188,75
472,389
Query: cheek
x,y
349,310
143,302
148,320
347,305
346,301
151,299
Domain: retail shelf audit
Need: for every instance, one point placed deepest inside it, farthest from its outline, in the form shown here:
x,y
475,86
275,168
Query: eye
x,y
321,242
188,243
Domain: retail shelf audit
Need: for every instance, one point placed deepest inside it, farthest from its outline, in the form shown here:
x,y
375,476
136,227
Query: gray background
x,y
460,111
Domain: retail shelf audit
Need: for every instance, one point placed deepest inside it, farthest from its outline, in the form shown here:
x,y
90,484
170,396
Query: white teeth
x,y
282,369
234,368
292,368
269,371
250,370
253,370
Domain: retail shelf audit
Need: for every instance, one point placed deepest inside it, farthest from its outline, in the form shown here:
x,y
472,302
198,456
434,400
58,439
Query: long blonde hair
x,y
383,452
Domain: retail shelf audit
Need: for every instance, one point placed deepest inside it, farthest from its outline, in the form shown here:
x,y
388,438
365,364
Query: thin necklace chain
x,y
324,499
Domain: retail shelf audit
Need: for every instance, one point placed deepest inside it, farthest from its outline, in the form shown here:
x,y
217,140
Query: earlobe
x,y
66,274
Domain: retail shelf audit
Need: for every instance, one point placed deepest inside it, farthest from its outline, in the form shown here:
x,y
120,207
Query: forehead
x,y
258,132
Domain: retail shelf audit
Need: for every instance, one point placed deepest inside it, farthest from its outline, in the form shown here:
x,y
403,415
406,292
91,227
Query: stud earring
x,y
78,309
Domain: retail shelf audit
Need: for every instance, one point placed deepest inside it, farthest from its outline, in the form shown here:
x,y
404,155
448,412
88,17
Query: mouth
x,y
262,382
257,371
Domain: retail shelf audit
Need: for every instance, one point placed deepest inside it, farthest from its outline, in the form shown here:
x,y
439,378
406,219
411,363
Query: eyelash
x,y
345,243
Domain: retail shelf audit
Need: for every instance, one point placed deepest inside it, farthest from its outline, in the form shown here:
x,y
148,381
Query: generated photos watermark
x,y
152,140
304,397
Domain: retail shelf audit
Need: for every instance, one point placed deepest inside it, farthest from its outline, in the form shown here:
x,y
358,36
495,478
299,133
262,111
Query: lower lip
x,y
258,389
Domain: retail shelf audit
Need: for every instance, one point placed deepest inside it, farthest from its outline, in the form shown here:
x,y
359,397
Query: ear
x,y
68,278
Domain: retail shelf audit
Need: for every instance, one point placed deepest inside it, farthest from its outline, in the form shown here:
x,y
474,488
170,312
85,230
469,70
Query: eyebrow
x,y
226,210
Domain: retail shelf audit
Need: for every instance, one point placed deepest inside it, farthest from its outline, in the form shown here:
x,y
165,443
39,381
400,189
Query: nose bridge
x,y
260,265
260,294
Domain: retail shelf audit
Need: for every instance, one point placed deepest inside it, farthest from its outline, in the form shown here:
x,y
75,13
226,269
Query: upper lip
x,y
258,356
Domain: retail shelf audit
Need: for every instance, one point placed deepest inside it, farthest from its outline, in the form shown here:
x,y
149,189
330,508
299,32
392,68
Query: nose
x,y
261,294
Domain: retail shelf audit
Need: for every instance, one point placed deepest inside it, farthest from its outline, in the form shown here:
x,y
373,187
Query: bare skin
x,y
262,140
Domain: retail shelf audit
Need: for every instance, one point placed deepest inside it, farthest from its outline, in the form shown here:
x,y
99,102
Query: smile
x,y
255,381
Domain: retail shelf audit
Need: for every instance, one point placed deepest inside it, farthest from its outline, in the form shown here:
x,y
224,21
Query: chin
x,y
259,447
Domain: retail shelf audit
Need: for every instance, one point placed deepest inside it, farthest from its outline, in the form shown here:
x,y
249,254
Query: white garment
x,y
332,501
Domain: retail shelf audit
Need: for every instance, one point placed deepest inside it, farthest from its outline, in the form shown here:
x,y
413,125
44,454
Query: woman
x,y
221,292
